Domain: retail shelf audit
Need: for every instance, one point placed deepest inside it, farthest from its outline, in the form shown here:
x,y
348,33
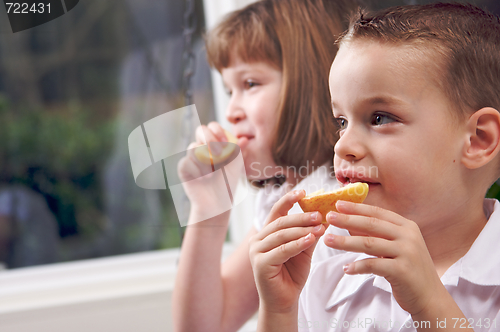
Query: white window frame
x,y
243,214
122,293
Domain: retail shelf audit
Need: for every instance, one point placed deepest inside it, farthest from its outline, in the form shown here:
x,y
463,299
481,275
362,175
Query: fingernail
x,y
329,238
308,237
340,204
317,228
314,216
346,267
332,216
215,148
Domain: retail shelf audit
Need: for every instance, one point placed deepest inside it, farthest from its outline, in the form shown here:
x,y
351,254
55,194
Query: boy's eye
x,y
342,123
381,119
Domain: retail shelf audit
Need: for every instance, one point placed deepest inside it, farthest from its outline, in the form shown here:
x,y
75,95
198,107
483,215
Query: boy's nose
x,y
235,112
350,146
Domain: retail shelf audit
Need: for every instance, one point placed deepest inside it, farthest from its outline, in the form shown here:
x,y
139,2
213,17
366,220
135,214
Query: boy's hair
x,y
463,40
298,38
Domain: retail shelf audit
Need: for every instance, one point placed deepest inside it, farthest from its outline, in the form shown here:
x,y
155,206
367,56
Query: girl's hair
x,y
297,37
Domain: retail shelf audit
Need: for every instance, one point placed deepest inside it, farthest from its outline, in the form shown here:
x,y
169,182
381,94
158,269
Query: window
x,y
71,91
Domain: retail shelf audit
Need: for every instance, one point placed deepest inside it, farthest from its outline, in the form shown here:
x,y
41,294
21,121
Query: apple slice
x,y
204,155
324,202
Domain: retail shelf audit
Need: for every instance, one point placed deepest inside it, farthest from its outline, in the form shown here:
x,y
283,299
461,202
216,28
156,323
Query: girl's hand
x,y
401,255
204,193
281,254
190,167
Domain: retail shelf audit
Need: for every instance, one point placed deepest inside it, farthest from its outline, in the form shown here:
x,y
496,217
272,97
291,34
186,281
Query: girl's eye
x,y
250,84
381,119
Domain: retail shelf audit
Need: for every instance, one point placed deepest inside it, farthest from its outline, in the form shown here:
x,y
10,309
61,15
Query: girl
x,y
272,56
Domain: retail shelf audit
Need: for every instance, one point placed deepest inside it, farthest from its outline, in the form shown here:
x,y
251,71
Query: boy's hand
x,y
401,254
281,254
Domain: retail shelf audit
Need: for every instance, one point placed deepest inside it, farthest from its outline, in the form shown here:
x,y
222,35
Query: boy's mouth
x,y
347,176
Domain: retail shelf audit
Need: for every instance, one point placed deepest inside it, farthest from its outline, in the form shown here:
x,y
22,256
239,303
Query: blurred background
x,y
71,91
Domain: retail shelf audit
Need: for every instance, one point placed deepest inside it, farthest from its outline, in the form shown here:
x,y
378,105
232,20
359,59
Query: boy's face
x,y
397,132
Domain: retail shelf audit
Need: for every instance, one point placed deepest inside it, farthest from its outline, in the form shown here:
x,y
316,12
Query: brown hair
x,y
463,39
297,37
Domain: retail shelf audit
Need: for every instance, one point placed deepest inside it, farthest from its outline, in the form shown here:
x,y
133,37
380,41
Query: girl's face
x,y
254,90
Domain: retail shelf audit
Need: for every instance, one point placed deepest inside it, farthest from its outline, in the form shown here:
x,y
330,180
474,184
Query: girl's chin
x,y
243,142
253,175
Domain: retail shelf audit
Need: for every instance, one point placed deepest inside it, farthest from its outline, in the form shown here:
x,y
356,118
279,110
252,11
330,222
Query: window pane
x,y
71,91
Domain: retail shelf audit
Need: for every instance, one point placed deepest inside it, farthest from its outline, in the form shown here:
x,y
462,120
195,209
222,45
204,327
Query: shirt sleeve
x,y
265,200
302,322
260,211
493,325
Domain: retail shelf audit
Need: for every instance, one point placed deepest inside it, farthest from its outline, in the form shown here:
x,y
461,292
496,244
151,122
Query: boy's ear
x,y
483,138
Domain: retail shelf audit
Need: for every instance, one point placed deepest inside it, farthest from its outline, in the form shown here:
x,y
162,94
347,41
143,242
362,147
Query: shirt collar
x,y
471,267
318,179
349,285
481,264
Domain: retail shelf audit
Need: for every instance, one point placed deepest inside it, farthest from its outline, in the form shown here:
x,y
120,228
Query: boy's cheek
x,y
336,161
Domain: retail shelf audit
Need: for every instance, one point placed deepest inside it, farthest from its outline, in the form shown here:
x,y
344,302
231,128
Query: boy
x,y
416,93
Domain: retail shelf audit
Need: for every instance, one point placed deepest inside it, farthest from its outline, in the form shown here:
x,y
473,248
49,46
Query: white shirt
x,y
320,178
334,301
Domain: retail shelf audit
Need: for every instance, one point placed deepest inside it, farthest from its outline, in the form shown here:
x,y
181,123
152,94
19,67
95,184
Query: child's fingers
x,y
358,224
190,151
192,165
288,221
217,131
192,145
187,169
366,244
204,136
284,252
220,136
284,204
200,135
360,209
379,266
284,236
